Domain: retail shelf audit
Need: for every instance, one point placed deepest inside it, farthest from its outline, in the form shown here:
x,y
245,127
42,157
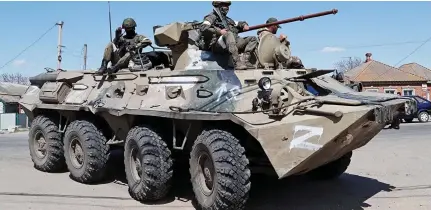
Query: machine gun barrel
x,y
299,18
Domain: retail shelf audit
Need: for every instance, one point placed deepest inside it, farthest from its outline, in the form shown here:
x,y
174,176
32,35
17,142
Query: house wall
x,y
10,116
404,89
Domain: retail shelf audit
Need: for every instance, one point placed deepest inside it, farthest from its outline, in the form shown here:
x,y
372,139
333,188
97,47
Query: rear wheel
x,y
333,169
148,164
86,151
423,116
46,145
219,171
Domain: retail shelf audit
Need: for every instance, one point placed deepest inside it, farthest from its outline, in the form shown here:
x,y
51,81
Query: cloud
x,y
18,63
332,49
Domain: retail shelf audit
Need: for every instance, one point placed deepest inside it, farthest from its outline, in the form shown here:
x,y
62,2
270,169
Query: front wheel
x,y
46,145
423,116
219,171
333,169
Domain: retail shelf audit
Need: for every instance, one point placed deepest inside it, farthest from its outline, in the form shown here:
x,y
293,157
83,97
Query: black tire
x,y
154,180
51,158
333,169
226,159
94,151
423,116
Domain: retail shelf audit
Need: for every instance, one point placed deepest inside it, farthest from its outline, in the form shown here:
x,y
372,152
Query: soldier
x,y
120,51
216,34
294,61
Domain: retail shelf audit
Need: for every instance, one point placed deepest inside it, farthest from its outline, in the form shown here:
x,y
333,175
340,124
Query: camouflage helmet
x,y
217,3
129,23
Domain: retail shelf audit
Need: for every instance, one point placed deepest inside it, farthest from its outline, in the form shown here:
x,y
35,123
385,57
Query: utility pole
x,y
85,56
59,46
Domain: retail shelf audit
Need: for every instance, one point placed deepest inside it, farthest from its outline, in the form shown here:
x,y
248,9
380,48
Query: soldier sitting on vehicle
x,y
122,48
294,61
220,31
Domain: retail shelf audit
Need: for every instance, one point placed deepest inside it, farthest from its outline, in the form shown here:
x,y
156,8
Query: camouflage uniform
x,y
211,28
294,61
121,57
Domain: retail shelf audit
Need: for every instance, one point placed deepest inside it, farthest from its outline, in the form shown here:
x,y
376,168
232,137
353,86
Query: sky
x,y
357,28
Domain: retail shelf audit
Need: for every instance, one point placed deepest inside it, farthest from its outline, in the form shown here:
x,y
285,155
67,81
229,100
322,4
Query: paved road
x,y
391,172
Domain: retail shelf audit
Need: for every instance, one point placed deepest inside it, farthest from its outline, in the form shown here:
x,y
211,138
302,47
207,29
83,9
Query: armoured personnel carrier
x,y
227,123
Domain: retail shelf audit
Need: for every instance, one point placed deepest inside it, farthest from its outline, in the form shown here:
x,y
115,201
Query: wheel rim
x,y
135,163
206,173
76,153
424,117
39,144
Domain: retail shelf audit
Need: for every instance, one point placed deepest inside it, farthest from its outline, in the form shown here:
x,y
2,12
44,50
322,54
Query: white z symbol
x,y
300,142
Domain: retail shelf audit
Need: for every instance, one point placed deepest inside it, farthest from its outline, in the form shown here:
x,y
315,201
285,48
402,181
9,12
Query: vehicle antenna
x,y
110,25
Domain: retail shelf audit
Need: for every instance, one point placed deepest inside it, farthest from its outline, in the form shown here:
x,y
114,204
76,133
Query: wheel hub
x,y
424,117
206,173
39,145
135,164
76,153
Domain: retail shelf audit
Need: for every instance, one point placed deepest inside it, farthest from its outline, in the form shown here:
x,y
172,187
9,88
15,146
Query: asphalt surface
x,y
391,172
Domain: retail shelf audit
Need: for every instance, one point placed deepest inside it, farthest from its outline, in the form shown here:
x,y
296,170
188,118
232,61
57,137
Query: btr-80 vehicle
x,y
227,123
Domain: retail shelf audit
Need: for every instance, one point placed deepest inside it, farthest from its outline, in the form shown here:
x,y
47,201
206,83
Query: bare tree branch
x,y
16,78
347,64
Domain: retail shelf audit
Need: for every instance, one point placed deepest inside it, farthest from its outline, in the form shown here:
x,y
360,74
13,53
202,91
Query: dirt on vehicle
x,y
192,105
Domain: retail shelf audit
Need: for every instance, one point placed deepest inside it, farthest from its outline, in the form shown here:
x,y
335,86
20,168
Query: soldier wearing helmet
x,y
294,62
217,36
120,51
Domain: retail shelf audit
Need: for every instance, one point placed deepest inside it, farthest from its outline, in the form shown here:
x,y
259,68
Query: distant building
x,y
11,113
408,79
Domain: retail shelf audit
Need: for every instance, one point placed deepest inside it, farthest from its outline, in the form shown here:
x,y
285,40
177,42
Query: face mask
x,y
130,30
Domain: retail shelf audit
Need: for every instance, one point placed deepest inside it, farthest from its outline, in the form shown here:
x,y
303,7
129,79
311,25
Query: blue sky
x,y
357,25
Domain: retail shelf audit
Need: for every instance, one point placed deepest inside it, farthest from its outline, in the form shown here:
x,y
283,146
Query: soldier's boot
x,y
247,57
239,64
103,67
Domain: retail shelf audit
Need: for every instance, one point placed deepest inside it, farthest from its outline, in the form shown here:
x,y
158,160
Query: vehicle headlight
x,y
264,83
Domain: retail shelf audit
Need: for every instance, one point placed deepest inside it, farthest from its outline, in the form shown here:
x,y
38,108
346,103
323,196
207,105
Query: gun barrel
x,y
299,18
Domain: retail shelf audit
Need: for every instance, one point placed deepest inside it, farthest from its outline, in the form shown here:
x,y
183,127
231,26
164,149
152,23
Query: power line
x,y
395,66
413,51
28,47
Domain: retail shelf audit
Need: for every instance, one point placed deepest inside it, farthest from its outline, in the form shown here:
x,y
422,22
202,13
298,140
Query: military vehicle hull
x,y
188,106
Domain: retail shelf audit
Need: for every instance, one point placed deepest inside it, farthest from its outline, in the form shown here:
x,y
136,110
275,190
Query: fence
x,y
8,120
